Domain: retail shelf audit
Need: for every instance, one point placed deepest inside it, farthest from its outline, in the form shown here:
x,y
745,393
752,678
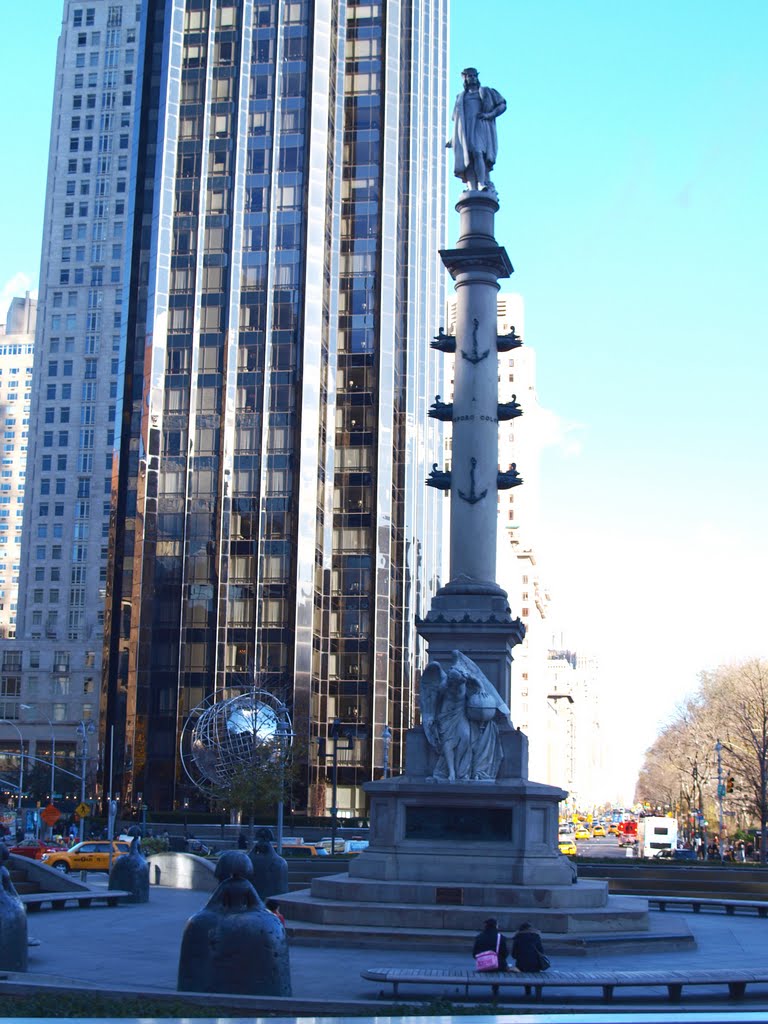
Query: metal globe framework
x,y
221,737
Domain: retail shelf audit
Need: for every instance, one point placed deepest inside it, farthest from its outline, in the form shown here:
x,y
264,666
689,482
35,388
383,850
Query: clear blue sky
x,y
633,176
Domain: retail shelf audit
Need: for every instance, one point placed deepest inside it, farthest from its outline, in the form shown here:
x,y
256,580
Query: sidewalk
x,y
137,946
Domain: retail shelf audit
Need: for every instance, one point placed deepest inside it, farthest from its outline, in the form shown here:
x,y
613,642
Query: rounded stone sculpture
x,y
234,944
130,873
13,921
233,864
270,871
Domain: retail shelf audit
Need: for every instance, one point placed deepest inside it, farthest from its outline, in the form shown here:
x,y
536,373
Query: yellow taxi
x,y
613,830
568,847
92,855
597,831
303,850
582,833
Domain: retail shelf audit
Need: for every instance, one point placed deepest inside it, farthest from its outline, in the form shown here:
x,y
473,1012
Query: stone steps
x,y
671,937
348,887
21,881
617,914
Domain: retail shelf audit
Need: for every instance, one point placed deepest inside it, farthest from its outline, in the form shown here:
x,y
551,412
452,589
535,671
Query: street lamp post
x,y
335,734
386,741
7,721
53,763
283,735
31,707
84,730
185,804
720,795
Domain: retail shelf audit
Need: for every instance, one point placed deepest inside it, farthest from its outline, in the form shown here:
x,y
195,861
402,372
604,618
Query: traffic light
x,y
729,784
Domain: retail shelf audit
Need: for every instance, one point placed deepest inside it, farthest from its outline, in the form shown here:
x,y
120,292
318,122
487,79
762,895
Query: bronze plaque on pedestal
x,y
459,824
453,895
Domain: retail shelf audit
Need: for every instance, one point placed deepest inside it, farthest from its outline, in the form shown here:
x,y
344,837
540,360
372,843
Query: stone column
x,y
471,613
476,264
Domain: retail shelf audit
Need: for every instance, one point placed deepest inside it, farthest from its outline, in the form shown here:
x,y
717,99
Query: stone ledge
x,y
345,887
16,983
615,916
673,936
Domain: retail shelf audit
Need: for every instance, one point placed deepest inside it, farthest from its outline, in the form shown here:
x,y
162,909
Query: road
x,y
607,846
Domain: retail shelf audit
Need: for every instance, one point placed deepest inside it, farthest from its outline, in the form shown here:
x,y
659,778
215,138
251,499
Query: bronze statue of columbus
x,y
474,142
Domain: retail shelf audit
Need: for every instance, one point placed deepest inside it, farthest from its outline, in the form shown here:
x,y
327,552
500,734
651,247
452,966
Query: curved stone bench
x,y
182,871
697,903
735,979
60,900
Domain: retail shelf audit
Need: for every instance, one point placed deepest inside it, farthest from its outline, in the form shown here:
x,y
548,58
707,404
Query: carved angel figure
x,y
460,709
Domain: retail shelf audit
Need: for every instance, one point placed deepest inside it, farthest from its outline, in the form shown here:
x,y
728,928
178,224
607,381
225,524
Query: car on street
x,y
598,832
303,850
568,847
582,833
343,845
678,854
92,855
613,830
35,848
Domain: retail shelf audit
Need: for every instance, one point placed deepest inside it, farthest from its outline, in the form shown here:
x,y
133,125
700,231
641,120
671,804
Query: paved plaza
x,y
136,947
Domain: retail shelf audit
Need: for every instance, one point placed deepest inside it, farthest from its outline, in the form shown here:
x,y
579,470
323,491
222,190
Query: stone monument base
x,y
444,856
339,907
489,833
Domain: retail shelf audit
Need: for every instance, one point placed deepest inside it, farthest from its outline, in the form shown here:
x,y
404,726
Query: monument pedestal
x,y
487,833
475,619
443,856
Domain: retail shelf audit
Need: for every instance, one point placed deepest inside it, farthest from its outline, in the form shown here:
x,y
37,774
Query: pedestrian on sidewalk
x,y
274,908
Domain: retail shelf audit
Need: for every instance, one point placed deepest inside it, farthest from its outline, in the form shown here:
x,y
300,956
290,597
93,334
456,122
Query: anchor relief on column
x,y
475,356
473,497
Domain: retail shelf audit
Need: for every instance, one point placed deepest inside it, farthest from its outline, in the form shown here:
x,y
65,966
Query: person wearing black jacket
x,y
490,938
487,939
527,949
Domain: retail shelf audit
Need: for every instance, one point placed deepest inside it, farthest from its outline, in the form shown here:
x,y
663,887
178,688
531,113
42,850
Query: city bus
x,y
656,835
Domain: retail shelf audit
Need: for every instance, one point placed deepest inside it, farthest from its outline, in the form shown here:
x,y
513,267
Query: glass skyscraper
x,y
50,671
270,520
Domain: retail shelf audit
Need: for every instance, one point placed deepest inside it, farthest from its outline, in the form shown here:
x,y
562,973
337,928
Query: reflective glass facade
x,y
270,519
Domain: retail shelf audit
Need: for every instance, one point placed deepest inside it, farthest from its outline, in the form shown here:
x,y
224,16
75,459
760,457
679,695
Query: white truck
x,y
656,835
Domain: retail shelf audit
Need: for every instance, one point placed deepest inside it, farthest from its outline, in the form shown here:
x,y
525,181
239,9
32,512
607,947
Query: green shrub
x,y
154,844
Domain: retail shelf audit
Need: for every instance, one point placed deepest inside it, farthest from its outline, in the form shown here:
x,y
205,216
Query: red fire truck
x,y
627,832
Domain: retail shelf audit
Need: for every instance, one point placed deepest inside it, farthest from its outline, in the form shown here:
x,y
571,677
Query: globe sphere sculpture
x,y
478,708
221,737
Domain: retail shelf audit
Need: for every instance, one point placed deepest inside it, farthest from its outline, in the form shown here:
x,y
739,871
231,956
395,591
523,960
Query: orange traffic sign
x,y
50,815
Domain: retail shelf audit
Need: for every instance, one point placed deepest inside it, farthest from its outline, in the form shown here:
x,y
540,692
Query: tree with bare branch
x,y
738,696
